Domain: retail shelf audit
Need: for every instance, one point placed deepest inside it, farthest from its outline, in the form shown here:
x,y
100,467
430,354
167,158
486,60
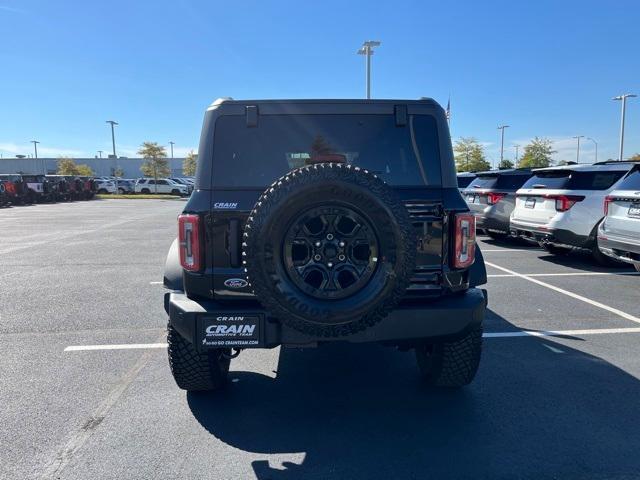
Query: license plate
x,y
634,210
530,203
226,331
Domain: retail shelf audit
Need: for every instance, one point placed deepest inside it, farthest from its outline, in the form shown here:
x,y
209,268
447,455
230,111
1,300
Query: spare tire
x,y
329,249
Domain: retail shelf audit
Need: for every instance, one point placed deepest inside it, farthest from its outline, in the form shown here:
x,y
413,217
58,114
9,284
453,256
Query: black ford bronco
x,y
317,221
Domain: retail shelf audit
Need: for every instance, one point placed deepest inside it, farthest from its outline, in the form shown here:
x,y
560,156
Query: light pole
x,y
596,144
100,153
367,50
623,97
172,144
113,144
517,147
501,128
578,137
35,150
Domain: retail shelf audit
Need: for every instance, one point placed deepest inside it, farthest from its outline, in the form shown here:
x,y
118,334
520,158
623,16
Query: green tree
x,y
156,164
84,170
505,164
537,153
66,166
469,155
635,158
189,164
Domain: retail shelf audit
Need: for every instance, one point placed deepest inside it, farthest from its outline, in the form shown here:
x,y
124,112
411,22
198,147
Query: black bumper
x,y
491,223
251,327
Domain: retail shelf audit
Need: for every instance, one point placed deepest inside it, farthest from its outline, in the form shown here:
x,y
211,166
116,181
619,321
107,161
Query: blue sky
x,y
547,68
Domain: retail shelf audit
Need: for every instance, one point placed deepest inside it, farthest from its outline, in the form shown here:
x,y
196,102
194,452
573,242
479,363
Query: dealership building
x,y
100,166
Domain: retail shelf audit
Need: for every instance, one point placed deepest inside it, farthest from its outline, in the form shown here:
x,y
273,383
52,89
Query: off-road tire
x,y
194,371
284,203
451,364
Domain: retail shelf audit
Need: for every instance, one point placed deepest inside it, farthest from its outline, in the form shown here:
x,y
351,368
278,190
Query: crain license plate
x,y
226,331
634,210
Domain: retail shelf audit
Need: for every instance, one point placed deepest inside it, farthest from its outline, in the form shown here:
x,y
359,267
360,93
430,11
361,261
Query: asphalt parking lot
x,y
86,391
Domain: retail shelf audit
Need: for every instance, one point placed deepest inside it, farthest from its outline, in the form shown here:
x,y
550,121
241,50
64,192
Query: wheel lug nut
x,y
317,257
329,236
329,264
341,258
341,244
318,244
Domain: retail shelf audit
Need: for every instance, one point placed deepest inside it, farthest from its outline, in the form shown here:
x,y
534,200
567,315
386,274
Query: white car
x,y
561,207
162,185
619,232
105,186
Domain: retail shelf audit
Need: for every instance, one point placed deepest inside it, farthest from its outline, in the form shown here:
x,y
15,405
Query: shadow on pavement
x,y
582,260
359,411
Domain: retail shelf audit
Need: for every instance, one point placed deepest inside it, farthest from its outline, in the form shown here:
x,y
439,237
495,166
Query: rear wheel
x,y
121,191
451,364
195,371
145,191
554,249
175,191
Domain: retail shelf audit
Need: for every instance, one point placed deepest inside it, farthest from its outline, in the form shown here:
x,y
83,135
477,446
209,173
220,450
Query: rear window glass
x,y
573,180
464,181
632,182
500,182
256,156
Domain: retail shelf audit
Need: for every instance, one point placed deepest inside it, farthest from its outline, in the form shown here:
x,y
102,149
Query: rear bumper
x,y
492,223
621,248
448,317
554,236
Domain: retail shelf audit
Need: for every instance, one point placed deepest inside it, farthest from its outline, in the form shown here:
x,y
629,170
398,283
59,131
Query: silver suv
x,y
491,196
561,207
619,232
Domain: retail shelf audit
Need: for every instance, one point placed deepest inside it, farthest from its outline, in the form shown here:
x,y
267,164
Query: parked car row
x,y
173,186
18,189
592,207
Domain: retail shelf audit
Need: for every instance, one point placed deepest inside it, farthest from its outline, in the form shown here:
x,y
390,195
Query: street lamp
x,y
578,137
35,150
501,128
367,50
596,144
113,144
100,153
623,97
172,144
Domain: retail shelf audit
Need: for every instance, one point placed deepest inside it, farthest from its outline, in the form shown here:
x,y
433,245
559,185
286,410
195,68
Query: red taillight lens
x,y
565,202
11,188
465,240
189,242
493,198
607,200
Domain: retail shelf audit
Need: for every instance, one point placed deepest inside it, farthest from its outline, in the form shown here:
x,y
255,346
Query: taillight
x,y
565,202
189,242
493,198
607,200
465,240
11,188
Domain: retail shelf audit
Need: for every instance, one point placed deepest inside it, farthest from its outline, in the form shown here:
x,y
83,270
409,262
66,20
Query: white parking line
x,y
515,333
509,250
560,333
571,274
124,346
615,311
156,283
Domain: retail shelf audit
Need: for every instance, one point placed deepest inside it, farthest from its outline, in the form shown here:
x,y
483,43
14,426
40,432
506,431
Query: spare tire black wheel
x,y
329,249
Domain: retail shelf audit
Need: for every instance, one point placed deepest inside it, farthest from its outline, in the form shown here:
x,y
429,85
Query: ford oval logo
x,y
235,283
